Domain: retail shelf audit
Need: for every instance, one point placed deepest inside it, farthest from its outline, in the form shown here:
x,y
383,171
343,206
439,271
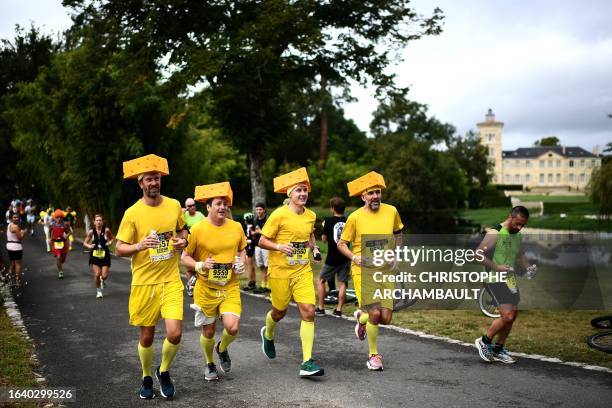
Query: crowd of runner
x,y
158,234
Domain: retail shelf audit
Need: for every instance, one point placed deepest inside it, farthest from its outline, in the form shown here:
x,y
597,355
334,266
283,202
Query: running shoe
x,y
267,346
166,387
503,357
337,313
249,286
360,329
225,362
484,350
60,275
99,294
311,369
375,362
260,290
320,312
210,372
146,390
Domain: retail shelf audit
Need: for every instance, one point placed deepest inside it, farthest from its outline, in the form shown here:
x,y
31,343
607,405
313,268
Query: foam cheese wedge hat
x,y
284,182
363,183
208,191
145,164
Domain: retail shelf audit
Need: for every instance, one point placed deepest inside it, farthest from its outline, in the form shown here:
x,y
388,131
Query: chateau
x,y
540,167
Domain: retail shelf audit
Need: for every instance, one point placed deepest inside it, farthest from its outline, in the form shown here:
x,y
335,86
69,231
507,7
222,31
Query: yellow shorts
x,y
149,303
300,287
368,292
216,302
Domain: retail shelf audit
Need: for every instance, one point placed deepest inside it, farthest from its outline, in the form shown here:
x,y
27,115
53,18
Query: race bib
x,y
370,247
220,273
58,244
300,254
98,253
164,250
511,282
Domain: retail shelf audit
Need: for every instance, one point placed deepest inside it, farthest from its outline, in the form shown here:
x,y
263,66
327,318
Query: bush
x,y
492,196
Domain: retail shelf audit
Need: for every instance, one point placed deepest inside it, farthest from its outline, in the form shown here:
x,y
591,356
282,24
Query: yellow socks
x,y
169,351
307,336
363,317
372,331
226,340
270,326
146,359
207,348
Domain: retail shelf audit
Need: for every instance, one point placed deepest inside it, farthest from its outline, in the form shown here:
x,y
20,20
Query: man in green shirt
x,y
504,243
192,217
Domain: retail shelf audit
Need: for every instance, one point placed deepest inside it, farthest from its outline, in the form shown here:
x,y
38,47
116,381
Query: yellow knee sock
x,y
226,340
363,317
169,351
207,348
270,326
372,331
307,336
146,359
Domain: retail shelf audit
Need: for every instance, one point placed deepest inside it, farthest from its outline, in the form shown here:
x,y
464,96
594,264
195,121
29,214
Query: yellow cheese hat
x,y
134,168
208,191
284,182
363,183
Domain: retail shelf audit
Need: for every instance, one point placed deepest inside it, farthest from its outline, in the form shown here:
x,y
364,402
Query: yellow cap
x,y
145,164
208,191
284,182
363,183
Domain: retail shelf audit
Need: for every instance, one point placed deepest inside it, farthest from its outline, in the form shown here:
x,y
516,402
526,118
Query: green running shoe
x,y
311,369
267,346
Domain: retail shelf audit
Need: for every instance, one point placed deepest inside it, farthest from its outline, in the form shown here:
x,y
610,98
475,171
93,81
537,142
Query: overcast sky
x,y
544,67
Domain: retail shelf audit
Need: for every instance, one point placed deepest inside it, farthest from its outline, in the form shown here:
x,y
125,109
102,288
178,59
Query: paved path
x,y
87,343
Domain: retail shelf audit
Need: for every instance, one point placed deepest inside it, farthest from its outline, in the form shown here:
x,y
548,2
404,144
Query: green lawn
x,y
555,198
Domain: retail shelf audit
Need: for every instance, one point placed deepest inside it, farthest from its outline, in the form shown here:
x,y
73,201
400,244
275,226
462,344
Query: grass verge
x,y
16,364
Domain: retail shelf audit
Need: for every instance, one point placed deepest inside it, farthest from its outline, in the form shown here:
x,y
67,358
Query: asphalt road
x,y
86,343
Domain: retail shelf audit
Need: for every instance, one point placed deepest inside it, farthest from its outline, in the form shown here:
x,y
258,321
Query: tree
x,y
256,57
471,155
548,141
600,187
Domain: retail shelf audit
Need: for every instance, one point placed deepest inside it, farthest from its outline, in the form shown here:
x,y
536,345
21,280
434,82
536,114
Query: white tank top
x,y
13,243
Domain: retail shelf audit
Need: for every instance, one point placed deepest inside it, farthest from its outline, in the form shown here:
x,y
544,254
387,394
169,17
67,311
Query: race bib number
x,y
99,253
300,255
370,247
164,250
220,273
58,244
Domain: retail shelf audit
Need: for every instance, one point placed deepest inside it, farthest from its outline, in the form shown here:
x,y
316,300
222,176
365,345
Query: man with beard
x,y
152,232
289,236
382,220
504,241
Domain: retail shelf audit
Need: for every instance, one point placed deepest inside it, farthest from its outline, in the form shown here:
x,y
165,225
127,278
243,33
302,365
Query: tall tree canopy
x,y
257,57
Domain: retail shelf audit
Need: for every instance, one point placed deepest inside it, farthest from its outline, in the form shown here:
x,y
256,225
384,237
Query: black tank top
x,y
100,240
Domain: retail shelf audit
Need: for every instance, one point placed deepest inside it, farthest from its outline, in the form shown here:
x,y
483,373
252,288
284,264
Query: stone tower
x,y
491,137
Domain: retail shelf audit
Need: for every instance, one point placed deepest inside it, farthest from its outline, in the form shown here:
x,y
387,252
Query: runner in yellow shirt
x,y
373,226
216,251
289,236
152,232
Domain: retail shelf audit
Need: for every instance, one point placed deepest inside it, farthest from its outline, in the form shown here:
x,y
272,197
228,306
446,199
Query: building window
x,y
571,178
550,178
550,162
527,178
558,178
541,178
541,164
507,178
517,178
528,164
518,164
491,151
491,137
558,163
582,178
571,163
593,162
581,162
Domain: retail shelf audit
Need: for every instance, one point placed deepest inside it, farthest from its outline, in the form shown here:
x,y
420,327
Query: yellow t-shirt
x,y
154,265
284,226
222,243
361,222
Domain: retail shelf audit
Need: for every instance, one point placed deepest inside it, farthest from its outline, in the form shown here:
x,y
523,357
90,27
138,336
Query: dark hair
x,y
261,205
519,210
209,201
337,204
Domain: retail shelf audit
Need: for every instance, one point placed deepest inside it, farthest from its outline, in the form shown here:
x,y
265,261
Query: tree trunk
x,y
258,190
323,142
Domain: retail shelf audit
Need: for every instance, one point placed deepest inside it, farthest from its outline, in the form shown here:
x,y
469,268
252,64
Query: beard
x,y
152,192
374,205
